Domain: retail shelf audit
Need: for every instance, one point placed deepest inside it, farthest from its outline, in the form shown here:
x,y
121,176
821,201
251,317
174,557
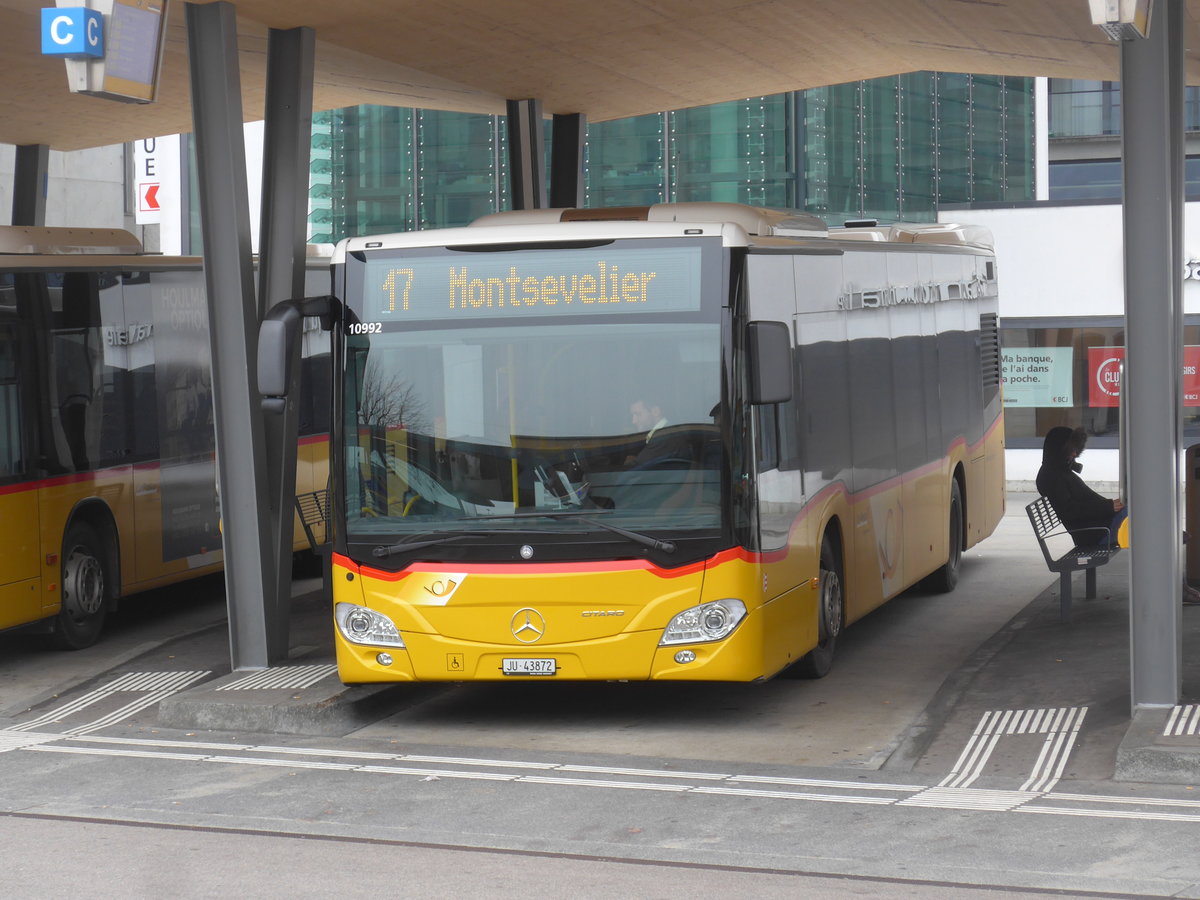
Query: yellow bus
x,y
684,441
107,473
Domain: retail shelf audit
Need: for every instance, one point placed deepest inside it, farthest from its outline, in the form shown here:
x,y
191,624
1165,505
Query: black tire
x,y
84,588
945,579
831,617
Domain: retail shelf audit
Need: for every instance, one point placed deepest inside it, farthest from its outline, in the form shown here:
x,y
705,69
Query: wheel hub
x,y
83,584
831,604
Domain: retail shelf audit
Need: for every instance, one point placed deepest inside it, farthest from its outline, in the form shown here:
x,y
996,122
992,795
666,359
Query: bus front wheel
x,y
84,589
831,612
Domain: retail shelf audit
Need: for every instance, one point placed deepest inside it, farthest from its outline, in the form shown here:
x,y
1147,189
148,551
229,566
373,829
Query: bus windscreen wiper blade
x,y
405,546
587,517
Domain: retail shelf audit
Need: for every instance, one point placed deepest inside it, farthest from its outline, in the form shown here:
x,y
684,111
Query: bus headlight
x,y
360,625
706,622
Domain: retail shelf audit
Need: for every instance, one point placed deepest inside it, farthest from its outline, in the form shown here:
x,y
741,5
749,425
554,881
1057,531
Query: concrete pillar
x,y
29,184
1152,141
568,137
233,326
287,142
526,154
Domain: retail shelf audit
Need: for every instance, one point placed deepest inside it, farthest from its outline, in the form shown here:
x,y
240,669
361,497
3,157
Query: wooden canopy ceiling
x,y
607,59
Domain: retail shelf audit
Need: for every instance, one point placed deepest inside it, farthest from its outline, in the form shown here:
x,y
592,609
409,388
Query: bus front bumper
x,y
632,656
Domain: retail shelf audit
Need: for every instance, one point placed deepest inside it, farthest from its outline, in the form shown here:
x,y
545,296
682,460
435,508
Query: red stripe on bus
x,y
561,568
73,478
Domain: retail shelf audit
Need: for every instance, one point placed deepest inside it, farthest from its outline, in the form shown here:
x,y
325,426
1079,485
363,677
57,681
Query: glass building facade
x,y
889,149
378,169
1090,111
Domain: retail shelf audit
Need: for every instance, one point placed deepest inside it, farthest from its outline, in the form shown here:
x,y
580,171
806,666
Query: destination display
x,y
529,283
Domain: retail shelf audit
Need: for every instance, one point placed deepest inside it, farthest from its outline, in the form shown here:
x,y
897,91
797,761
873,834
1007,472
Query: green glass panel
x,y
881,149
918,147
954,137
987,138
734,152
1019,176
625,162
458,164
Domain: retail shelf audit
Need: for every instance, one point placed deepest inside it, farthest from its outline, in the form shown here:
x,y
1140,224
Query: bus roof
x,y
737,223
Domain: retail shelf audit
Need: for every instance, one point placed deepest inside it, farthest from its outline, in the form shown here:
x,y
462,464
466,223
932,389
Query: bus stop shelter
x,y
576,61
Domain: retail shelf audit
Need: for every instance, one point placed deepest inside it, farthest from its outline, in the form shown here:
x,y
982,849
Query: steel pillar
x,y
29,184
526,154
233,325
1152,149
287,141
568,137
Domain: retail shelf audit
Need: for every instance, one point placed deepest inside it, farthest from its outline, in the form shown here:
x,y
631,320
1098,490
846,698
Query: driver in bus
x,y
658,445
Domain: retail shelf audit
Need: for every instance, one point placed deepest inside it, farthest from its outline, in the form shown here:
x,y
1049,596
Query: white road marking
x,y
815,782
969,798
725,784
156,685
1183,720
1153,815
1060,726
166,687
16,740
1057,747
288,678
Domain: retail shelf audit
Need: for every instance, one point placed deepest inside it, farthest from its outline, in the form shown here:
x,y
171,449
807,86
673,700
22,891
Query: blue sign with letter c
x,y
73,32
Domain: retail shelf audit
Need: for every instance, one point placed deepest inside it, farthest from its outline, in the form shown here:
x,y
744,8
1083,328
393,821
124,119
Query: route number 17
x,y
398,279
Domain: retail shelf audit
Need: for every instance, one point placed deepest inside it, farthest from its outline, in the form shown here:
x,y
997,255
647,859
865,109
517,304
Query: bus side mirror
x,y
278,338
770,350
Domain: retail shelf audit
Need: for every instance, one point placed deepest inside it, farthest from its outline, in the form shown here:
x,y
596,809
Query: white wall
x,y
86,187
1061,261
1067,260
1055,260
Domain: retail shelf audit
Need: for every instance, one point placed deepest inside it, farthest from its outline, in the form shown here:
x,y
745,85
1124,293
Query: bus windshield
x,y
505,420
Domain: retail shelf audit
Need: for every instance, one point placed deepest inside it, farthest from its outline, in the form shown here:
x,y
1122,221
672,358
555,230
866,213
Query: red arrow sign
x,y
150,197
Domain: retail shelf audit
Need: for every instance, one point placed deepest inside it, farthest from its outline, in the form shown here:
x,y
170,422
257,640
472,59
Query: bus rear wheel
x,y
84,589
831,613
945,579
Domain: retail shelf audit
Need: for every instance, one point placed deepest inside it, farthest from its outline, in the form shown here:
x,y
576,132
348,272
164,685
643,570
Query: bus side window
x,y
10,403
77,357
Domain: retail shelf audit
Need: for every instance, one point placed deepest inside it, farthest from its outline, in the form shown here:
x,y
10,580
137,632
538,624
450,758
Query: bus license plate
x,y
529,667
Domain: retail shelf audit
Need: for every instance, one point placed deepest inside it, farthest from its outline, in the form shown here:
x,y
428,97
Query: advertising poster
x,y
1104,376
1038,376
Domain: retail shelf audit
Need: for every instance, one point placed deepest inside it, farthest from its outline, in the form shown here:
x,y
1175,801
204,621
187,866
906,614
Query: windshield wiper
x,y
405,546
586,516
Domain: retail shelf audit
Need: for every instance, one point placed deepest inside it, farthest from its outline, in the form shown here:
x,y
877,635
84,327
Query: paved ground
x,y
962,740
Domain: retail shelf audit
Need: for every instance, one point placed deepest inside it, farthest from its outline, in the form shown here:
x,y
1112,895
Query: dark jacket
x,y
1077,505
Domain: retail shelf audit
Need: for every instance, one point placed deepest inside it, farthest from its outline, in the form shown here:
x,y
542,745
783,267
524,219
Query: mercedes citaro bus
x,y
685,441
107,472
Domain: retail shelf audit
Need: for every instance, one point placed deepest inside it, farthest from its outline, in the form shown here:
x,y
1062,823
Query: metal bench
x,y
1062,556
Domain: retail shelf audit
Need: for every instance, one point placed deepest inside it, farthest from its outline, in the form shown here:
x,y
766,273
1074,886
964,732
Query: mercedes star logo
x,y
528,626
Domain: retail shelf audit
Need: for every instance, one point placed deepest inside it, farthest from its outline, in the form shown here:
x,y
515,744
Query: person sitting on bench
x,y
1084,512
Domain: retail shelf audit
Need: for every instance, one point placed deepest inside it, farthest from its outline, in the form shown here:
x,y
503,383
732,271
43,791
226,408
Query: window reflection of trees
x,y
390,401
